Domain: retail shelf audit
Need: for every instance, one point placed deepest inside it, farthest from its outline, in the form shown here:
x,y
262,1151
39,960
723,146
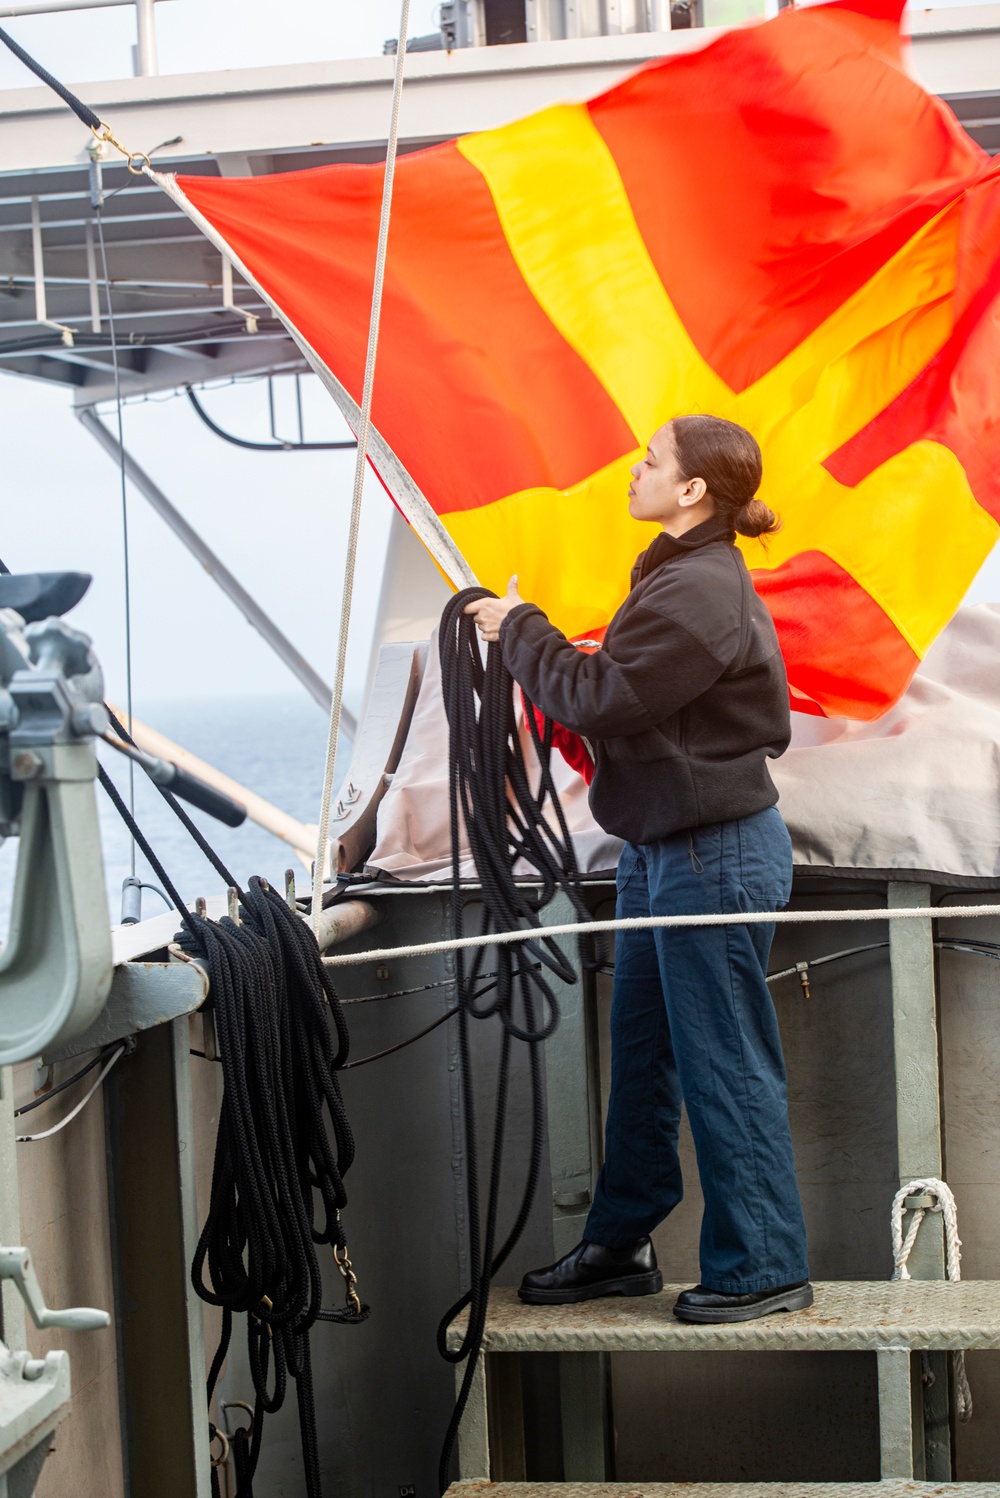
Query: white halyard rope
x,y
364,424
945,1205
651,922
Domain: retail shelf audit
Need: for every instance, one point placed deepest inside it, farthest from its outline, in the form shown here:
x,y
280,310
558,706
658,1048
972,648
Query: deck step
x,y
847,1316
886,1489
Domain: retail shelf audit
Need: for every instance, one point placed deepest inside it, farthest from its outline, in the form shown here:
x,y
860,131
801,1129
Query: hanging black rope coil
x,y
505,820
284,1146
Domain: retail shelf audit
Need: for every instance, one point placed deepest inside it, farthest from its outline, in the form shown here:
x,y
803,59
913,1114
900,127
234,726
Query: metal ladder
x,y
891,1319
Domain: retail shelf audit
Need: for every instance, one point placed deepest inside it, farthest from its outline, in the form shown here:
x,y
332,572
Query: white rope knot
x,y
944,1203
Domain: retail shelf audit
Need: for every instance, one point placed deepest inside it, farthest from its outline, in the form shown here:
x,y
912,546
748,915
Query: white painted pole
x,y
49,7
146,23
38,261
95,300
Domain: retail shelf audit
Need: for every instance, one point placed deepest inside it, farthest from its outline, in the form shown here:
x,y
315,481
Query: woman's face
x,y
658,492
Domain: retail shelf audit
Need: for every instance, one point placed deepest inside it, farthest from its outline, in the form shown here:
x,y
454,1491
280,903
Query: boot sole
x,y
793,1300
632,1284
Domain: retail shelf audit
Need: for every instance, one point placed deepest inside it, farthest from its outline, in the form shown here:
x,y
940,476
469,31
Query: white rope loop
x,y
943,1203
364,426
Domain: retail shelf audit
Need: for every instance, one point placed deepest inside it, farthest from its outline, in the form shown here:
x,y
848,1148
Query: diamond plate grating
x,y
885,1489
846,1317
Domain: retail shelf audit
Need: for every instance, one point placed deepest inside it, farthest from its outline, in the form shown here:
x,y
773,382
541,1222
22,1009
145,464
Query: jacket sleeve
x,y
657,668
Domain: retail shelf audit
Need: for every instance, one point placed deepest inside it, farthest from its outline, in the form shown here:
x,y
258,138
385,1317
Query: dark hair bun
x,y
727,457
755,519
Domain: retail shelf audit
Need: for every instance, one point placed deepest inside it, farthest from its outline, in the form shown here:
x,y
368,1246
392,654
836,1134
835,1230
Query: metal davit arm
x,y
56,969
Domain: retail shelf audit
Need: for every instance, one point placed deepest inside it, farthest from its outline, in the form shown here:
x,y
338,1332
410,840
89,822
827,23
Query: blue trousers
x,y
692,1020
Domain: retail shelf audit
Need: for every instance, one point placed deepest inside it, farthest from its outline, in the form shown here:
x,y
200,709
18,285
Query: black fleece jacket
x,y
685,702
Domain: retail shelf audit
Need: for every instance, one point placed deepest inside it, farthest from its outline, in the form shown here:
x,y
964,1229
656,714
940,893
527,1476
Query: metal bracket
x,y
55,972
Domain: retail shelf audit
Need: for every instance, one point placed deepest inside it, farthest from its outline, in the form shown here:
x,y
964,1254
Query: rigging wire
x,y
364,426
378,1055
52,1092
156,890
55,1129
182,816
441,1019
97,205
970,944
138,836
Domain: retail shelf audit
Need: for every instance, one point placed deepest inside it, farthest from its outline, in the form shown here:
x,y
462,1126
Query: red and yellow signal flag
x,y
782,227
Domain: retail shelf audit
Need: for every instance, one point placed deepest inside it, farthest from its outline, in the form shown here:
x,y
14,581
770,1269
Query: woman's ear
x,y
694,491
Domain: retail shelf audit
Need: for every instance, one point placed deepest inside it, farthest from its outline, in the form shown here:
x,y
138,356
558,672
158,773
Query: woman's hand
x,y
491,612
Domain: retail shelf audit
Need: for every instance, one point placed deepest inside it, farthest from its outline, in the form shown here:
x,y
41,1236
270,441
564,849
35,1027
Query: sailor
x,y
684,705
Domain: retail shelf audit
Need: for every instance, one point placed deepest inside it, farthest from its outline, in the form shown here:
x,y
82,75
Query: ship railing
x,y
485,23
144,51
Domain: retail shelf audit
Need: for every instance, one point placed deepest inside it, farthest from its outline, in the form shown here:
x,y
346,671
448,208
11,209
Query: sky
x,y
198,35
278,521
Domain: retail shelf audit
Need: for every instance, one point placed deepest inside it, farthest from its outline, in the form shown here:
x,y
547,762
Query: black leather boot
x,y
590,1270
700,1304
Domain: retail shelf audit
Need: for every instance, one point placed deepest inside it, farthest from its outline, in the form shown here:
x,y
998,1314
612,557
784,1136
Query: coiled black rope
x,y
284,1146
505,821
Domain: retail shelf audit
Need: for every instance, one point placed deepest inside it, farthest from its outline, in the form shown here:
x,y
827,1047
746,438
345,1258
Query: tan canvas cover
x,y
916,793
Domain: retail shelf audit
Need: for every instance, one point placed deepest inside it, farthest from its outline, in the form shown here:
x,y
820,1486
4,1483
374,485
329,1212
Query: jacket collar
x,y
665,547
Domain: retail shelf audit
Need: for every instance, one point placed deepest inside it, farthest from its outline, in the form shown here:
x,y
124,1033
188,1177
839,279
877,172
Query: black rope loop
x,y
283,1149
505,821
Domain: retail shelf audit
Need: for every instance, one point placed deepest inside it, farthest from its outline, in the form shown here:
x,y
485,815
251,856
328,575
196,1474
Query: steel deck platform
x,y
925,1315
884,1489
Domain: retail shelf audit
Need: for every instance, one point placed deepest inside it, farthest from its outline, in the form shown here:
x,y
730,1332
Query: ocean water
x,y
273,745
